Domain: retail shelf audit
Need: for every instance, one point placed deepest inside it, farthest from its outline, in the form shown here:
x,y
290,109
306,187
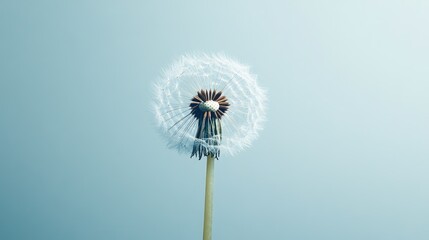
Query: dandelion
x,y
207,105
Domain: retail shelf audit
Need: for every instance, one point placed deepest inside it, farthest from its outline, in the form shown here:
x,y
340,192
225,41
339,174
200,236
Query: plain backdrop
x,y
344,154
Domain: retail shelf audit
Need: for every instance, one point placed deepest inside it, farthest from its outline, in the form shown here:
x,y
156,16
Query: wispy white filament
x,y
191,73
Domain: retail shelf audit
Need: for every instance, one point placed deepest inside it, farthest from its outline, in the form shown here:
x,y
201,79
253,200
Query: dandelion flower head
x,y
208,104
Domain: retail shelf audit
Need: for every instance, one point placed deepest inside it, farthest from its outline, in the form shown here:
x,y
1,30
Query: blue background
x,y
344,153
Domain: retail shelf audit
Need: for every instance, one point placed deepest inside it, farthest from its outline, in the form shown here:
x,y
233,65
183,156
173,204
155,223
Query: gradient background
x,y
344,154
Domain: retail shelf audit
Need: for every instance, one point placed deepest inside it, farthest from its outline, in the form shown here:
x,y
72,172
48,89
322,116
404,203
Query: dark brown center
x,y
208,107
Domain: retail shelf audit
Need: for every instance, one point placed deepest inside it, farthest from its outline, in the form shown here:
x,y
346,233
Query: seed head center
x,y
209,105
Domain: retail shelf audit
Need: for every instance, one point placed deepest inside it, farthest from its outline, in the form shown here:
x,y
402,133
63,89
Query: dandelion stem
x,y
208,208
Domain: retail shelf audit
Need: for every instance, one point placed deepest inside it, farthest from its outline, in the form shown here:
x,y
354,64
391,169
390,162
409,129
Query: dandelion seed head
x,y
208,104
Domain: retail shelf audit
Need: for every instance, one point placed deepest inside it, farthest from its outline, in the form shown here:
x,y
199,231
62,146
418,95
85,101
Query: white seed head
x,y
210,105
192,73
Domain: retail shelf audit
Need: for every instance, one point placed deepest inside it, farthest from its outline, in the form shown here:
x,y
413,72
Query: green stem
x,y
208,209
